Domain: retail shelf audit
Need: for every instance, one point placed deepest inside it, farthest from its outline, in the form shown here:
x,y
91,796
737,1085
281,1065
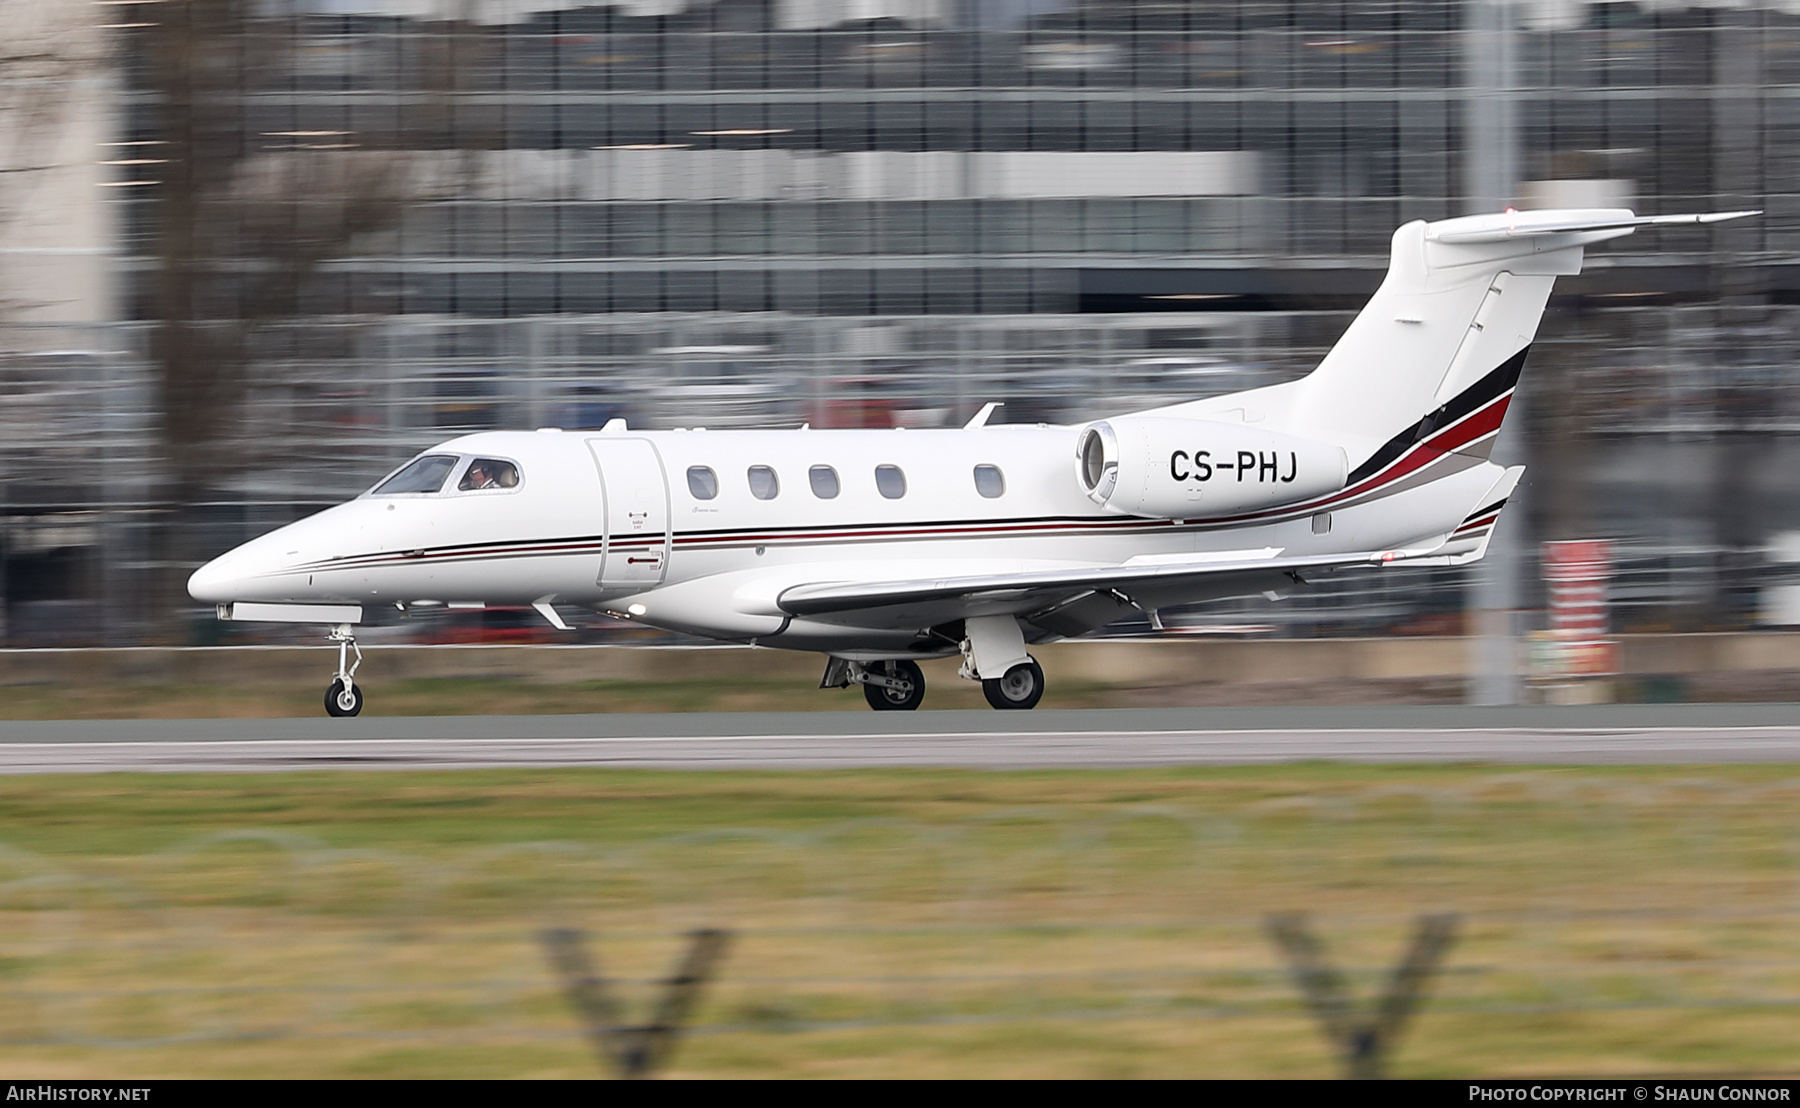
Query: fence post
x,y
1363,1043
633,1051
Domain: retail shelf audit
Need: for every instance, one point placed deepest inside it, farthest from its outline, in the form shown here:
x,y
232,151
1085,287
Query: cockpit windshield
x,y
422,474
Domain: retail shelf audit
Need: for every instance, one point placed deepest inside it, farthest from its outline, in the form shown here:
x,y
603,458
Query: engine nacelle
x,y
1198,469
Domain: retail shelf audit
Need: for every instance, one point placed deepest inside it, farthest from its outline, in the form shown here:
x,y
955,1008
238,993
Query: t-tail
x,y
1429,367
1435,355
1415,391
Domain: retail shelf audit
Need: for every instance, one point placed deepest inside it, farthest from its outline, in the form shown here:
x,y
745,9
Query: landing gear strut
x,y
897,685
994,654
343,697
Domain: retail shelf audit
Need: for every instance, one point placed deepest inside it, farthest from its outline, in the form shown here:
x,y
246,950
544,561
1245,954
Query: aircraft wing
x,y
1061,601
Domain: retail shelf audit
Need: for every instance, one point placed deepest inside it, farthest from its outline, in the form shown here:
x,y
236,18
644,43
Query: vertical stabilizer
x,y
1443,340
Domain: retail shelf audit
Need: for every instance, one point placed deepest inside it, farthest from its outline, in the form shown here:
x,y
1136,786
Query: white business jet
x,y
879,548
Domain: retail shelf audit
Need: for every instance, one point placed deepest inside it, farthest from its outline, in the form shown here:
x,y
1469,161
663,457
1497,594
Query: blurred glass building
x,y
888,212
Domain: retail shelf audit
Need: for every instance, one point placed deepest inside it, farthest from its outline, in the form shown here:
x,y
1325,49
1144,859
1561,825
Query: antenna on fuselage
x,y
980,419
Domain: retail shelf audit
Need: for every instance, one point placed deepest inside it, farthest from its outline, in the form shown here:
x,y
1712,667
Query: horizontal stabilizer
x,y
1561,221
1469,542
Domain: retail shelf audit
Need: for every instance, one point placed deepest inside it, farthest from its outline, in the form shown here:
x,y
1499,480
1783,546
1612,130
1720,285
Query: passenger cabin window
x,y
424,474
890,481
702,482
824,481
990,482
489,473
764,485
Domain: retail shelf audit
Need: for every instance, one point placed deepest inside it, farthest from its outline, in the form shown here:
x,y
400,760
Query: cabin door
x,y
637,513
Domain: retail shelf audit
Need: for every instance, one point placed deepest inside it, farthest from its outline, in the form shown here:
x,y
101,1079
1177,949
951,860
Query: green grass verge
x,y
895,923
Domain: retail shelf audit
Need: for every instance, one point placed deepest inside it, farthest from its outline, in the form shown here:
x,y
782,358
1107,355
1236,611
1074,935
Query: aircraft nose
x,y
215,582
267,568
241,573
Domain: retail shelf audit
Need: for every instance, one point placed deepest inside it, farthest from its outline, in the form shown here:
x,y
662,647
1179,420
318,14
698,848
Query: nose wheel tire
x,y
1021,687
884,699
340,701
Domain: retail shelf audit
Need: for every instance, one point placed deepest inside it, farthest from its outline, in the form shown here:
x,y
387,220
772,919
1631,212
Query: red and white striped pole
x,y
1577,574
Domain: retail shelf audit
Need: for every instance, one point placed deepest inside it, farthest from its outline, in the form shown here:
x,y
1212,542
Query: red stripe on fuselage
x,y
1476,425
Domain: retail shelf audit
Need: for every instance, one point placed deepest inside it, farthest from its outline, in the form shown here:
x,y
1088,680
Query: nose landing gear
x,y
343,697
897,686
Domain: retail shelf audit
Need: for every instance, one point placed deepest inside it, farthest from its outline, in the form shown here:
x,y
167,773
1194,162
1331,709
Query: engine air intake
x,y
1098,451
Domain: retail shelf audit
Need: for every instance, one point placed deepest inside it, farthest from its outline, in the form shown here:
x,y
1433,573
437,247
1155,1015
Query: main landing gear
x,y
896,685
993,651
344,697
1022,686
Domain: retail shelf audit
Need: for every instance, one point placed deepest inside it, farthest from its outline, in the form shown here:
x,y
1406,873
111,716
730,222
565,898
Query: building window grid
x,y
523,60
1336,224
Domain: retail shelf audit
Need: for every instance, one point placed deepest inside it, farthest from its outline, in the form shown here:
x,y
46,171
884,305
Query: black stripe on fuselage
x,y
870,525
804,531
750,535
728,537
1463,403
1482,392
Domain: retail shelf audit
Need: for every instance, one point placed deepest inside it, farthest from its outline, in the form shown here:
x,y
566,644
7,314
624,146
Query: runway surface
x,y
1612,734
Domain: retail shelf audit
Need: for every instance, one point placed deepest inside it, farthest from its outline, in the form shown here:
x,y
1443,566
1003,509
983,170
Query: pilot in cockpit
x,y
489,473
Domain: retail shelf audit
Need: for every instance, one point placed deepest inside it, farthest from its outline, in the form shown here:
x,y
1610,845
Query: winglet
x,y
980,418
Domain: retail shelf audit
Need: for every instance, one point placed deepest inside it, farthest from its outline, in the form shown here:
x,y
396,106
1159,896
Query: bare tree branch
x,y
242,234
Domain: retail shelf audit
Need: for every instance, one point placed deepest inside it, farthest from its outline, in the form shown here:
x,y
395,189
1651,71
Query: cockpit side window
x,y
423,474
489,473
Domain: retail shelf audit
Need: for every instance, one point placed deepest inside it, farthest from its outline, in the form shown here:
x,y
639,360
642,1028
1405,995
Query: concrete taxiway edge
x,y
1618,734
